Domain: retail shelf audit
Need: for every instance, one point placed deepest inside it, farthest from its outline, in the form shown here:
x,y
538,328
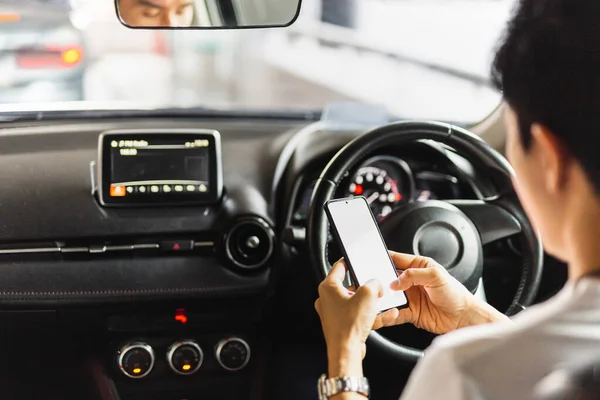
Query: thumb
x,y
371,290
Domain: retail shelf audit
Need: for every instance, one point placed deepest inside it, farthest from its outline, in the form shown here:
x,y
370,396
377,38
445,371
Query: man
x,y
149,13
548,69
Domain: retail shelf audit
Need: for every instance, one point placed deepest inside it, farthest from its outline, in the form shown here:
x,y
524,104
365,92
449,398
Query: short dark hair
x,y
548,67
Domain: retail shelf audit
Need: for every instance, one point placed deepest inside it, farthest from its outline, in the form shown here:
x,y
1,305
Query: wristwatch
x,y
331,386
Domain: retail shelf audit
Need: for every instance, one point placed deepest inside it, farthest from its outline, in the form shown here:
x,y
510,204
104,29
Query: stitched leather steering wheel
x,y
452,232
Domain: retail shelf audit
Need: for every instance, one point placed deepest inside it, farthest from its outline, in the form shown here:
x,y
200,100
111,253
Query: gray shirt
x,y
506,360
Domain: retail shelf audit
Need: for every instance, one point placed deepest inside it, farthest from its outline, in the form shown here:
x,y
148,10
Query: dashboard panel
x,y
59,245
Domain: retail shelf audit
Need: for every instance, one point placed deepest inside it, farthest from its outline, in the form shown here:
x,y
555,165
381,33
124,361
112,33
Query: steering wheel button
x,y
438,241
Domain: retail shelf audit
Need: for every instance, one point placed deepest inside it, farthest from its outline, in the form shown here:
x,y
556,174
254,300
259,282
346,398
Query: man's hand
x,y
438,303
347,318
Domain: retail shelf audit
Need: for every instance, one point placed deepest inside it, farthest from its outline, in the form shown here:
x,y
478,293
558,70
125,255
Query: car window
x,y
419,58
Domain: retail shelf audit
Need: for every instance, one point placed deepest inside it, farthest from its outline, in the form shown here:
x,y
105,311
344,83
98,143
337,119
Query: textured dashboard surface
x,y
46,195
45,183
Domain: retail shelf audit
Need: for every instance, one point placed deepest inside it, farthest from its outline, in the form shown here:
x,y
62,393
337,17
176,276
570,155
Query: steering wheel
x,y
451,232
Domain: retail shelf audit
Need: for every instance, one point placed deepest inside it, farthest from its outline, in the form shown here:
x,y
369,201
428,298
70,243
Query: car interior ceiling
x,y
198,283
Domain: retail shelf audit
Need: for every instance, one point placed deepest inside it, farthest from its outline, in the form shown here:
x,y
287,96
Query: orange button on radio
x,y
117,191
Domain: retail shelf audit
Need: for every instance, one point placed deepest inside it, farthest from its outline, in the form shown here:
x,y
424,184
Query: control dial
x,y
233,353
185,357
135,360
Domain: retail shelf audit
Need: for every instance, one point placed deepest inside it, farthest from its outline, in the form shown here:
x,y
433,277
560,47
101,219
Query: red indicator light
x,y
180,316
398,197
358,190
176,246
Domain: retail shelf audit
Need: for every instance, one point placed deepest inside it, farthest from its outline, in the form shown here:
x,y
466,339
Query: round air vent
x,y
249,244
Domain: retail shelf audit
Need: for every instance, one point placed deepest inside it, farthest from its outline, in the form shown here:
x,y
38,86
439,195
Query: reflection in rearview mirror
x,y
207,13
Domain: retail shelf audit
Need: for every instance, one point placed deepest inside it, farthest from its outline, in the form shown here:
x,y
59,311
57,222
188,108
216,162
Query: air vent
x,y
249,244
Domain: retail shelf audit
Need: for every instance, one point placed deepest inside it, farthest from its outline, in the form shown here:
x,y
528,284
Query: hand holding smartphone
x,y
365,252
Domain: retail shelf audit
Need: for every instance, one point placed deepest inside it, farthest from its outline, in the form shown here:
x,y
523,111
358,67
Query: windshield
x,y
426,59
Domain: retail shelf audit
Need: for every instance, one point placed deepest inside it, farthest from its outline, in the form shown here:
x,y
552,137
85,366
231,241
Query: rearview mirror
x,y
208,14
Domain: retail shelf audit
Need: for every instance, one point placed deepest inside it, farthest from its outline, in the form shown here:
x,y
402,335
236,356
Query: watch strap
x,y
331,386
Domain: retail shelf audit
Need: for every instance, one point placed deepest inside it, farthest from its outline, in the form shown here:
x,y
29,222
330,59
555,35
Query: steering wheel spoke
x,y
491,220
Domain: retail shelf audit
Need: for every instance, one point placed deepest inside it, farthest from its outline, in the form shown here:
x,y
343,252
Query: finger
x,y
333,284
317,305
405,316
405,261
371,290
387,318
337,272
429,277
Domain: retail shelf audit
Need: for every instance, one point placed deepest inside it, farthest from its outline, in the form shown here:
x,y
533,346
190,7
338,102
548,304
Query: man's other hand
x,y
347,318
438,303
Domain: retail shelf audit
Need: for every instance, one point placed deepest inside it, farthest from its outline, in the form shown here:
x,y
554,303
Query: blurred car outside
x,y
42,55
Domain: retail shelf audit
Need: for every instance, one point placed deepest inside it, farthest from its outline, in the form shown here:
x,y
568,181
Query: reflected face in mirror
x,y
162,13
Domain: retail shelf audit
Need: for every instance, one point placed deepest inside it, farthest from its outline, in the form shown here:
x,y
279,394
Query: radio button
x,y
117,191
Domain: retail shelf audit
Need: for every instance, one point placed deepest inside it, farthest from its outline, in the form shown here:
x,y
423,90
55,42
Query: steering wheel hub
x,y
441,231
439,241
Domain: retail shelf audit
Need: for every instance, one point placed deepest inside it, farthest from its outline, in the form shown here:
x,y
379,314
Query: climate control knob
x,y
136,360
233,353
185,357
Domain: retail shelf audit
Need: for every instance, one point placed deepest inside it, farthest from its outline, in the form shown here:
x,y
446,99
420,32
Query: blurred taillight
x,y
71,56
49,58
9,17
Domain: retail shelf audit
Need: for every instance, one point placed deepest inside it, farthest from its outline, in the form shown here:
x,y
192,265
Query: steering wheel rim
x,y
503,205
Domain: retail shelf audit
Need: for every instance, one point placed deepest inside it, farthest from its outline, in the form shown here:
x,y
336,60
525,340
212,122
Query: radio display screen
x,y
145,168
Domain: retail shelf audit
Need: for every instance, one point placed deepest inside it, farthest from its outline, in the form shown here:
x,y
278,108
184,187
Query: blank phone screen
x,y
365,250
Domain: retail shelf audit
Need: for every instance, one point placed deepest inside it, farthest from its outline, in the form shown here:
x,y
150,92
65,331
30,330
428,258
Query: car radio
x,y
159,167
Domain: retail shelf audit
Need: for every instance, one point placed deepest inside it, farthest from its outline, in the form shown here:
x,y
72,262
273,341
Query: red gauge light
x,y
358,190
395,190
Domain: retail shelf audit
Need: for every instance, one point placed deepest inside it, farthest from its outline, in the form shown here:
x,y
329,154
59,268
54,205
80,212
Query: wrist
x,y
345,360
481,313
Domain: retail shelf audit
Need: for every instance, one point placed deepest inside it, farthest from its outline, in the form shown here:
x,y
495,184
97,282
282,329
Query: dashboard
x,y
389,182
184,266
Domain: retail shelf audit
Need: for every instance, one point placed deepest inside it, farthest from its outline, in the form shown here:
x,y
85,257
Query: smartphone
x,y
367,257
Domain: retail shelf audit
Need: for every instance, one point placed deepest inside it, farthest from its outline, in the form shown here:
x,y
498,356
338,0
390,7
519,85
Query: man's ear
x,y
554,157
